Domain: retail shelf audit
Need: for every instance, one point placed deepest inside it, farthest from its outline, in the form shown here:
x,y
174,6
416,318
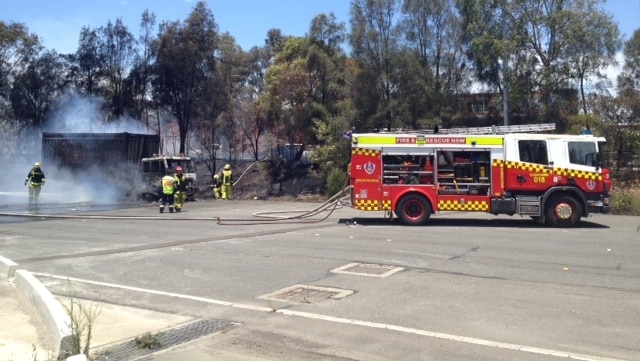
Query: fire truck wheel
x,y
563,211
413,210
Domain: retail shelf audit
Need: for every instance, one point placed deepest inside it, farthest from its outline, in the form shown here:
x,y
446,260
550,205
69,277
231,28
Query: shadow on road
x,y
464,222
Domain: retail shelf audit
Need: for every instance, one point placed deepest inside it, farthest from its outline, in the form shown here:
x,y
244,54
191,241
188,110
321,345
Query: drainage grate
x,y
128,351
368,269
307,294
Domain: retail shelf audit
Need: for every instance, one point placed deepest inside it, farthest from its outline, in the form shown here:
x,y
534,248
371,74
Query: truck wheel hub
x,y
564,211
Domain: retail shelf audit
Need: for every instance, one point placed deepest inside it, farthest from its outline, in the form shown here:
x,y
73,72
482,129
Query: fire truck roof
x,y
454,140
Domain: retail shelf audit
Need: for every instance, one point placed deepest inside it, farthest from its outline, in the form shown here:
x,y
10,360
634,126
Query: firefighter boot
x,y
170,209
161,209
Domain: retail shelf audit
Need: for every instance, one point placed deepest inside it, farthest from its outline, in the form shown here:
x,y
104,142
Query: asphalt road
x,y
465,287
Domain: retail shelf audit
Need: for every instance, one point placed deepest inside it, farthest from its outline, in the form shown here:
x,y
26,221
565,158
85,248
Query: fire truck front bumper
x,y
600,206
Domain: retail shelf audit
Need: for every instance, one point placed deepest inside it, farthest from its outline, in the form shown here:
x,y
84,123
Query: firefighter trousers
x,y
34,192
167,199
179,198
226,191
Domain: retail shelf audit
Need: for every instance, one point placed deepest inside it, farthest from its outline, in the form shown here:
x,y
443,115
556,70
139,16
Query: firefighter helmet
x,y
179,169
37,164
227,167
216,176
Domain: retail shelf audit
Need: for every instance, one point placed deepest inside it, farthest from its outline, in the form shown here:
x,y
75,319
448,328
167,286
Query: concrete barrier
x,y
51,312
7,267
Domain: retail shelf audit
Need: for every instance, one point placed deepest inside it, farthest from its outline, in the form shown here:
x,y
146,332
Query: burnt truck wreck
x,y
126,163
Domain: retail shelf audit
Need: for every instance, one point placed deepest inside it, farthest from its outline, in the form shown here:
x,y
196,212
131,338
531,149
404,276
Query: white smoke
x,y
84,114
72,114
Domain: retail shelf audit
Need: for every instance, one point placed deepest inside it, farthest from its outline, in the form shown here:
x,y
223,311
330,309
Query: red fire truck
x,y
553,178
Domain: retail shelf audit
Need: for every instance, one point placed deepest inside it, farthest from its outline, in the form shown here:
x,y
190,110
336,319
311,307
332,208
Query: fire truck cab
x,y
552,178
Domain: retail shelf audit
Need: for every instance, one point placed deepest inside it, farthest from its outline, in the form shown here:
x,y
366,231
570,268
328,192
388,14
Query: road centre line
x,y
342,320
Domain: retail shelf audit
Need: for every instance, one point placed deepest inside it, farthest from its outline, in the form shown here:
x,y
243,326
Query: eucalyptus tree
x,y
539,42
274,42
543,26
619,115
494,44
305,79
629,79
88,62
629,83
185,64
17,47
375,44
118,51
267,107
620,126
592,41
36,87
222,106
289,83
256,111
433,30
325,60
138,83
330,109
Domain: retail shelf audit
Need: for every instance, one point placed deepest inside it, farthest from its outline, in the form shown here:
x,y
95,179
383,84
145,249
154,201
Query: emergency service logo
x,y
369,168
591,184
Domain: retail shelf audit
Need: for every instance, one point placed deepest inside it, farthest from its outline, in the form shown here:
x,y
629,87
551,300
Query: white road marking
x,y
384,326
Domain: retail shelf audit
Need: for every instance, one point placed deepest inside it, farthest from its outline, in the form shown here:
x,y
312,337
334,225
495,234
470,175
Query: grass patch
x,y
149,341
625,199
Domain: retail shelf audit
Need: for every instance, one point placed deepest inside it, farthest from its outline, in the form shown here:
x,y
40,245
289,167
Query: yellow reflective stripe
x,y
375,140
485,141
422,140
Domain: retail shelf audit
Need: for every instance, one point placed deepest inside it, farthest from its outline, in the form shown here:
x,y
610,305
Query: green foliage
x,y
625,199
630,77
622,203
36,87
334,152
410,61
187,80
579,123
621,131
336,182
547,46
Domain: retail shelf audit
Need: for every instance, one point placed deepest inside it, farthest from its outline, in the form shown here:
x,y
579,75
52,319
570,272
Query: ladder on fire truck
x,y
495,129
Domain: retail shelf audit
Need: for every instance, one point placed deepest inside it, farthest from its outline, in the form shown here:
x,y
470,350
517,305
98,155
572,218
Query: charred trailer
x,y
108,162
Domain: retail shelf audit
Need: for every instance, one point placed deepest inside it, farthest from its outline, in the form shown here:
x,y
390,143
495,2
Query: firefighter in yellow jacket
x,y
217,187
168,188
180,195
227,182
35,180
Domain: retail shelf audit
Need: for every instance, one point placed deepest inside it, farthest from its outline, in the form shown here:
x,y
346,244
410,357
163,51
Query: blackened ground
x,y
250,183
